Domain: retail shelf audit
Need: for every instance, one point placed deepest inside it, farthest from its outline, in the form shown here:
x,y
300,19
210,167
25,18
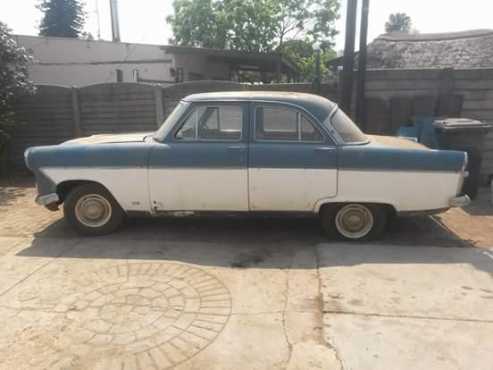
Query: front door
x,y
202,164
292,162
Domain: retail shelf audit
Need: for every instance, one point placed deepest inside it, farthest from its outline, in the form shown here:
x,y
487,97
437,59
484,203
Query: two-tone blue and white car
x,y
249,152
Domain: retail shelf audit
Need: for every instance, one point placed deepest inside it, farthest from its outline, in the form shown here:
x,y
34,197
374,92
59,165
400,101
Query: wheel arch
x,y
65,187
105,220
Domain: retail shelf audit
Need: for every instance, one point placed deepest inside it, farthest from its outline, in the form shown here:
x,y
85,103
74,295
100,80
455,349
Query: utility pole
x,y
318,78
115,24
361,97
348,59
98,17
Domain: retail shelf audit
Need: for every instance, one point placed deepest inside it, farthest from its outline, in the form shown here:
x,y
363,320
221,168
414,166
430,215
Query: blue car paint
x,y
198,155
284,155
97,155
371,157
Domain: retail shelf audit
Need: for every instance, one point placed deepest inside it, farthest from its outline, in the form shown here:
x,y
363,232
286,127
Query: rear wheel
x,y
92,210
354,221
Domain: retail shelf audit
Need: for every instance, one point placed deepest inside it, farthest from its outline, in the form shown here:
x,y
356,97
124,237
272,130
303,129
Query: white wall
x,y
64,61
74,62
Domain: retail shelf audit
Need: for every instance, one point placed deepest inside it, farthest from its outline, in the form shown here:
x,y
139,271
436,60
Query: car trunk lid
x,y
395,142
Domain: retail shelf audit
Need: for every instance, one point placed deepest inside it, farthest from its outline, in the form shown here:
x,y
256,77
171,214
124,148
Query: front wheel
x,y
354,221
92,210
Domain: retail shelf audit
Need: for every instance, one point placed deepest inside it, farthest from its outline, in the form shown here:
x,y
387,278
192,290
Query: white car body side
x,y
150,190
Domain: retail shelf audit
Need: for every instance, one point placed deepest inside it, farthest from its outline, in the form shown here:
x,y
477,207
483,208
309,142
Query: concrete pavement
x,y
99,303
232,293
414,307
121,302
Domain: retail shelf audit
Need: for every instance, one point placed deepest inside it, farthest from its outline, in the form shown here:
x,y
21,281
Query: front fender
x,y
44,184
121,168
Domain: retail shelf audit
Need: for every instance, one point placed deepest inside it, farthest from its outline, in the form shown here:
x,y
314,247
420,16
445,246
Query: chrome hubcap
x,y
93,210
354,221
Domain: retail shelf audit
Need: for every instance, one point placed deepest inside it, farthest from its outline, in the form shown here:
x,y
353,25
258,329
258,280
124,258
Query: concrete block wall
x,y
58,113
472,91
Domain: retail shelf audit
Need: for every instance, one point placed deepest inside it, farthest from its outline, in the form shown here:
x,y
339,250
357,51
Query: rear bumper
x,y
428,212
460,201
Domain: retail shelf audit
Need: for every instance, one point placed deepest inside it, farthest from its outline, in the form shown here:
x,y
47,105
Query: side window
x,y
309,132
214,123
284,124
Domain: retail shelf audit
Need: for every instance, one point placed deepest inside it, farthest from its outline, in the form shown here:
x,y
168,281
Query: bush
x,y
14,81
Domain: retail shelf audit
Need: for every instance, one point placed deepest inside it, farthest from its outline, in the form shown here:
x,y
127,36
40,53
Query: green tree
x,y
398,22
254,25
198,23
303,54
250,24
14,81
62,18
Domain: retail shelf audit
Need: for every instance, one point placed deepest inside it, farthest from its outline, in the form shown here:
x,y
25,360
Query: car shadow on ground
x,y
420,230
482,205
475,209
261,242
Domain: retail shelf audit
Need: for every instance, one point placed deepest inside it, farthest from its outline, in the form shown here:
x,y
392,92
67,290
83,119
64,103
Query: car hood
x,y
110,138
395,142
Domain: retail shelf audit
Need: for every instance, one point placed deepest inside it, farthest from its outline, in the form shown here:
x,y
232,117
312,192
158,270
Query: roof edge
x,y
400,36
95,41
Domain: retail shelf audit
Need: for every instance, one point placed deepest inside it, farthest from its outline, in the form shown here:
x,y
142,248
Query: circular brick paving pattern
x,y
159,314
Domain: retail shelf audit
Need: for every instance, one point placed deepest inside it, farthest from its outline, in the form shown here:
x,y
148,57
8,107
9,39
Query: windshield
x,y
170,121
346,128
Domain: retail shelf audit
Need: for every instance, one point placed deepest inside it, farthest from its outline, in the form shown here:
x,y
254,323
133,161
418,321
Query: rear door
x,y
292,161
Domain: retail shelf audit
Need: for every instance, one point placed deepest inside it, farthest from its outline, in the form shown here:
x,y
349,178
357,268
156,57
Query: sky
x,y
144,21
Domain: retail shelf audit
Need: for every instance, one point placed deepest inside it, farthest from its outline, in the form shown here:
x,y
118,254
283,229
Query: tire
x,y
92,210
371,224
473,181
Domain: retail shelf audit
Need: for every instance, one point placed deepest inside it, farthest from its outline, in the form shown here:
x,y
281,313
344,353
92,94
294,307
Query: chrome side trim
x,y
327,123
333,111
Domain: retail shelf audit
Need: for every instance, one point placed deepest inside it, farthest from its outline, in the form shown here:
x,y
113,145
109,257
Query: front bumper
x,y
50,201
460,201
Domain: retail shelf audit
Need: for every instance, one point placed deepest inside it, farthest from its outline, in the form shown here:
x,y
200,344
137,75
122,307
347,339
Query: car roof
x,y
319,106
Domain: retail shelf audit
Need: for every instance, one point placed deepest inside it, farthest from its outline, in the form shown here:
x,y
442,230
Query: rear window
x,y
279,123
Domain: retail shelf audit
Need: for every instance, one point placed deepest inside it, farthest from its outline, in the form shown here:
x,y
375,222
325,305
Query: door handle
x,y
324,149
237,148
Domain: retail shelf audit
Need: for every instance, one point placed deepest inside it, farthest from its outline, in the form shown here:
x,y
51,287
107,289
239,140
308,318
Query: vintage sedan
x,y
249,152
